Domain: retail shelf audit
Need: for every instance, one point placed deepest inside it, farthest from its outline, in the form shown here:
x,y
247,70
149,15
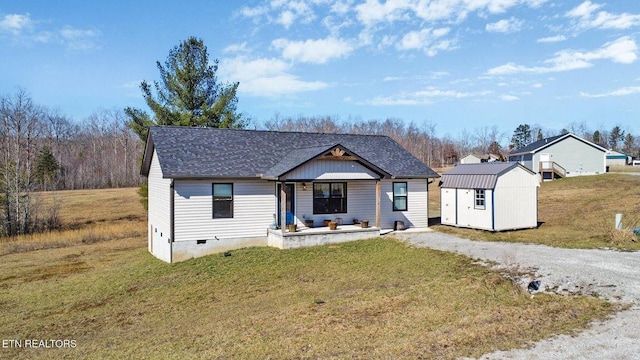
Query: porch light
x,y
304,186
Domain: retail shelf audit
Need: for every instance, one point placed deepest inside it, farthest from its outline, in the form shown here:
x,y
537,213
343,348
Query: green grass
x,y
378,298
577,212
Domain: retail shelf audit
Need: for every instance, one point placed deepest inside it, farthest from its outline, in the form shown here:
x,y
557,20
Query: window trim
x,y
345,197
480,199
213,201
406,196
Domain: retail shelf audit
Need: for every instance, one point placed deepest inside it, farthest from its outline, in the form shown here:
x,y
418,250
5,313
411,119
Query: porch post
x,y
283,208
378,204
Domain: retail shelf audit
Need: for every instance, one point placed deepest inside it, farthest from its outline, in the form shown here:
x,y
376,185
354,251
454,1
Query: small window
x,y
329,198
480,200
222,201
400,196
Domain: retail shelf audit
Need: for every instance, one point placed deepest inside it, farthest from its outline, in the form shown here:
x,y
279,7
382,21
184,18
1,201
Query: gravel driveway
x,y
609,274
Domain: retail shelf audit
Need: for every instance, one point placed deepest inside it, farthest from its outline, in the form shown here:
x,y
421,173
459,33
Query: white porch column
x,y
378,204
283,207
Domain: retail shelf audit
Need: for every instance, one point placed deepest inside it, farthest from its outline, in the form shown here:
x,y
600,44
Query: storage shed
x,y
490,196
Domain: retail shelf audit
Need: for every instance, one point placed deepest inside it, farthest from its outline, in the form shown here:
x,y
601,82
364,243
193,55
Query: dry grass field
x,y
95,283
576,212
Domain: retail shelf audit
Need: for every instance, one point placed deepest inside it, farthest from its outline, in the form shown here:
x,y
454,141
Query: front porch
x,y
306,237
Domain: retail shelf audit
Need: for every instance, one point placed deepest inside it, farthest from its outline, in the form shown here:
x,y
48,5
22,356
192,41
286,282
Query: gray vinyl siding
x,y
253,209
417,214
331,170
575,156
159,229
361,204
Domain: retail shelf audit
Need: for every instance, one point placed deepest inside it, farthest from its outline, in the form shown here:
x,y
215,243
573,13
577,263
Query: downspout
x,y
171,221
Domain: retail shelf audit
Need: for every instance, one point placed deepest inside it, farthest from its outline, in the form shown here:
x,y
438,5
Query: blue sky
x,y
456,64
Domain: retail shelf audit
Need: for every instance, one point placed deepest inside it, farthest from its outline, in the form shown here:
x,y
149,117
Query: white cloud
x,y
236,48
373,11
623,50
536,85
313,51
266,77
505,26
15,24
427,40
422,97
619,92
586,17
509,98
552,39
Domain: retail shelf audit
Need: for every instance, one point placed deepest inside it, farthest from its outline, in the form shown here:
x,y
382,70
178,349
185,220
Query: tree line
x,y
44,150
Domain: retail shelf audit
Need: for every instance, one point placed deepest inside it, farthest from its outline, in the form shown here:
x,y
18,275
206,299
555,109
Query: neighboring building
x,y
214,190
477,159
498,196
562,156
615,158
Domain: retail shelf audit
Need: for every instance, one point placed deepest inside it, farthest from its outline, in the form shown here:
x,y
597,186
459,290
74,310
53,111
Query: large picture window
x,y
329,198
479,199
400,196
222,201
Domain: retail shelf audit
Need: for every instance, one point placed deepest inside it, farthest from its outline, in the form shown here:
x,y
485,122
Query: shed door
x,y
448,206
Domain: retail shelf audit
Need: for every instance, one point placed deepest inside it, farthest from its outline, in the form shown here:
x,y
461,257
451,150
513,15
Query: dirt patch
x,y
57,270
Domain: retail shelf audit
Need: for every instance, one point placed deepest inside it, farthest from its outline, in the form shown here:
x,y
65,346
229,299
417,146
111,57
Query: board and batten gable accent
x,y
253,207
516,201
331,170
159,228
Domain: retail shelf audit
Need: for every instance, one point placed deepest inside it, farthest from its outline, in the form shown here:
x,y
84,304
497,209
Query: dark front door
x,y
288,189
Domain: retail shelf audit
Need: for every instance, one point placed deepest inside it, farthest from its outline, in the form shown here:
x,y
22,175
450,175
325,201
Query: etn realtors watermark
x,y
39,344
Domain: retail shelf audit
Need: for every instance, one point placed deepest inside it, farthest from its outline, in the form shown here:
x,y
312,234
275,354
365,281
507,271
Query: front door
x,y
289,191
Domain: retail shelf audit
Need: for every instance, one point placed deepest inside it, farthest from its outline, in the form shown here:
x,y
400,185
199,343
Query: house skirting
x,y
185,250
320,236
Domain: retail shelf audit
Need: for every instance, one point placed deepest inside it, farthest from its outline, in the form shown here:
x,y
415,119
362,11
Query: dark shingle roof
x,y
190,152
541,144
536,145
477,176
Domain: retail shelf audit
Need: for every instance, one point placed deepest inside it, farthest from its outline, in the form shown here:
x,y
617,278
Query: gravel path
x,y
609,274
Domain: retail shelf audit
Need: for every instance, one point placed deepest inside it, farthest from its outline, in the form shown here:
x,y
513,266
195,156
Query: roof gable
x,y
544,143
189,152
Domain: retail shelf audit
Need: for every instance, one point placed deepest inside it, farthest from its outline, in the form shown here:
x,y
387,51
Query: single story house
x,y
616,158
477,158
492,196
213,190
562,156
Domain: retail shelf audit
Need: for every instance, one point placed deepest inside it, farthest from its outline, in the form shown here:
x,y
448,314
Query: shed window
x,y
399,196
480,199
329,198
222,201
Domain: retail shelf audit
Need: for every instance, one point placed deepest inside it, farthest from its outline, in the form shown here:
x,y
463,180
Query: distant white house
x,y
562,156
478,158
492,196
616,158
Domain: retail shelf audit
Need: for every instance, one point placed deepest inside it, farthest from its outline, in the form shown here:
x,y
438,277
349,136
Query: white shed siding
x,y
516,201
448,206
159,229
468,215
253,208
417,214
331,170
